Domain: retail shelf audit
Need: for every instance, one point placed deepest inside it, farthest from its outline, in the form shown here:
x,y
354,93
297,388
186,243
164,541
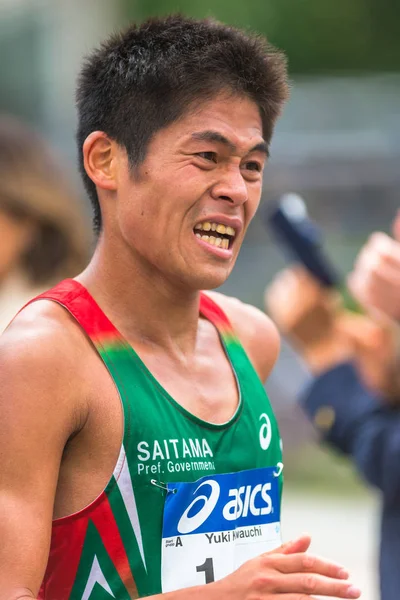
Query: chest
x,y
206,386
162,415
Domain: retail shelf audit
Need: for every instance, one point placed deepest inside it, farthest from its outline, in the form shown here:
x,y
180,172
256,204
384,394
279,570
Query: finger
x,y
309,583
294,278
303,275
275,293
306,563
380,250
386,273
299,278
360,288
301,544
288,297
379,290
297,597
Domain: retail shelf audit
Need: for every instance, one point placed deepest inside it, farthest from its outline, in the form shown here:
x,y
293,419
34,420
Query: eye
x,y
209,156
253,166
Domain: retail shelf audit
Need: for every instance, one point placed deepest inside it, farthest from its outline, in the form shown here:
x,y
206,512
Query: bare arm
x,y
257,333
37,418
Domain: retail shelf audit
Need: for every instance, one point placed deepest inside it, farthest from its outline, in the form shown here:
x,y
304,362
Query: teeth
x,y
214,241
218,227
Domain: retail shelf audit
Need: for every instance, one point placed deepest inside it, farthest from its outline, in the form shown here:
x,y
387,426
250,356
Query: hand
x,y
376,354
325,335
287,573
375,280
306,313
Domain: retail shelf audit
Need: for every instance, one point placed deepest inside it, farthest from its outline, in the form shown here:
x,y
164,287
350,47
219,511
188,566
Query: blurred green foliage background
x,y
317,35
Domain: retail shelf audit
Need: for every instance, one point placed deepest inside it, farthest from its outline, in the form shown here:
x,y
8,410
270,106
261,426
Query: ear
x,y
100,160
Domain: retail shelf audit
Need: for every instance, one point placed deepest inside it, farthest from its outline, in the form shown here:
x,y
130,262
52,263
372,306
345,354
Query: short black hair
x,y
146,77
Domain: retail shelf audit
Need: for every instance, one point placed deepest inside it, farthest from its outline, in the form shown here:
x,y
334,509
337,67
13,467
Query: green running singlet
x,y
188,501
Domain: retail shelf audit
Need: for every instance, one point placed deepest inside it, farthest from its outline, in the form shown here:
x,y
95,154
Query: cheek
x,y
183,183
145,224
254,198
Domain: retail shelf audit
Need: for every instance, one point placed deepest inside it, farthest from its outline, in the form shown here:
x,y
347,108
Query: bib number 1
x,y
208,568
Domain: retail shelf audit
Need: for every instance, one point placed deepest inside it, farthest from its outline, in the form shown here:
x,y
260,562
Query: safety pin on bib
x,y
162,485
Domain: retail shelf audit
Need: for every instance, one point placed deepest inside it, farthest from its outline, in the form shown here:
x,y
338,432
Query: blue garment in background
x,y
368,431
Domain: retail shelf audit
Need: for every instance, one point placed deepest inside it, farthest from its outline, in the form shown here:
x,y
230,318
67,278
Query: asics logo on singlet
x,y
265,431
245,499
187,523
242,502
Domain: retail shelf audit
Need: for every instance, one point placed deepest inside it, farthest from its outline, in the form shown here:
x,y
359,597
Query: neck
x,y
143,305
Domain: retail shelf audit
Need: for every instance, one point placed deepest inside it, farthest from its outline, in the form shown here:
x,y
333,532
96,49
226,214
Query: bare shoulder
x,y
42,333
40,411
256,331
40,356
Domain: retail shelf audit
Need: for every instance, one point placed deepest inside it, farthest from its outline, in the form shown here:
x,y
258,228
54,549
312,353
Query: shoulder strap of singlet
x,y
214,313
82,306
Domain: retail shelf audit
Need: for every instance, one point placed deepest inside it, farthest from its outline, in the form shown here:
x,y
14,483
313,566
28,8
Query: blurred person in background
x,y
354,399
44,235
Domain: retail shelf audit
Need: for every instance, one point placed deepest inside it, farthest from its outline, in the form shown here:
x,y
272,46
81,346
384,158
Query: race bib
x,y
215,524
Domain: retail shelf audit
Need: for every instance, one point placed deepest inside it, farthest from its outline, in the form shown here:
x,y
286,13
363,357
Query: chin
x,y
209,280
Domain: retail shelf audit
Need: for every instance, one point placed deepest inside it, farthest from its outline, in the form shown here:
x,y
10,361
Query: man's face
x,y
186,209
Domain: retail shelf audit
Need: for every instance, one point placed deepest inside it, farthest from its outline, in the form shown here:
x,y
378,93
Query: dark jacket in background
x,y
360,425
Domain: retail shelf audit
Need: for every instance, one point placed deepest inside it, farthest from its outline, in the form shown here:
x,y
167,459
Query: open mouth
x,y
215,234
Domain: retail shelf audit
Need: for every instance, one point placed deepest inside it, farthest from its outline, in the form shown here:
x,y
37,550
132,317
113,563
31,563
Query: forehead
x,y
237,118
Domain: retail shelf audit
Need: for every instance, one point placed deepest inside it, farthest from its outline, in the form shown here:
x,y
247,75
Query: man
x,y
150,440
354,398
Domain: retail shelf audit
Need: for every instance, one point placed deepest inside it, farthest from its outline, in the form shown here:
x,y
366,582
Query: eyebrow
x,y
215,136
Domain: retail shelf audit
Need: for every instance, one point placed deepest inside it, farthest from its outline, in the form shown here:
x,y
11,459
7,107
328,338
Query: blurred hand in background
x,y
315,321
375,280
306,313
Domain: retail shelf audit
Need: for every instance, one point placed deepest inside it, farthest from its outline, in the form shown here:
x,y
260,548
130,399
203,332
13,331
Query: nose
x,y
231,187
